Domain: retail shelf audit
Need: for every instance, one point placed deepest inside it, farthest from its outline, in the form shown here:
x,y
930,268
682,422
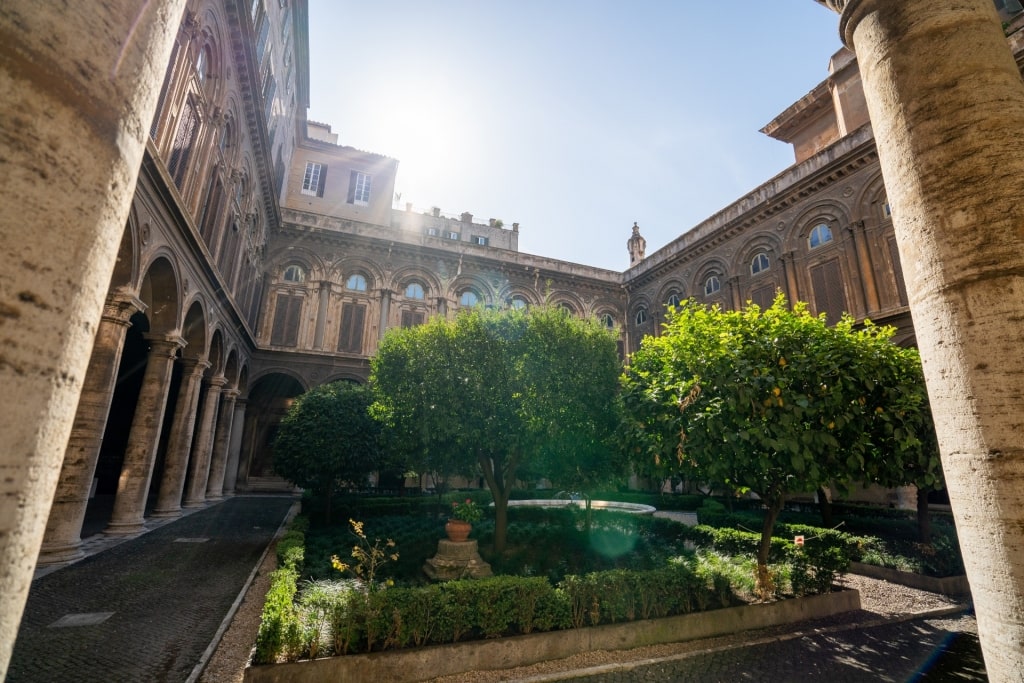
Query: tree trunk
x,y
825,508
939,80
924,521
765,587
500,519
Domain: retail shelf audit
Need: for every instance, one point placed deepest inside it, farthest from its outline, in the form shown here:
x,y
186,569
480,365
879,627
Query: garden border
x,y
949,585
425,663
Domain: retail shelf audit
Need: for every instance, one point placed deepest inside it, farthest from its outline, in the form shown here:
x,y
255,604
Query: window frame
x,y
313,179
359,281
293,268
760,263
714,279
820,235
419,292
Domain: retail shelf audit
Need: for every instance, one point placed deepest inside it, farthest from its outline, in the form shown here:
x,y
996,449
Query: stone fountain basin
x,y
615,506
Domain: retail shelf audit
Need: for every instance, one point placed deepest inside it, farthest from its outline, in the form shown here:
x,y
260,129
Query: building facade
x,y
262,258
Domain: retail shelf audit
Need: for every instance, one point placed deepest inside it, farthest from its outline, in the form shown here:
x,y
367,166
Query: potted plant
x,y
461,520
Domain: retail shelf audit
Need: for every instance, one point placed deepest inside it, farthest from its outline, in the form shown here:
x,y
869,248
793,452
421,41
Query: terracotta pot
x,y
457,530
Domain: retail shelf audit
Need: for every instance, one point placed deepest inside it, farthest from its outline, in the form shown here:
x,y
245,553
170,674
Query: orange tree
x,y
497,393
773,402
328,438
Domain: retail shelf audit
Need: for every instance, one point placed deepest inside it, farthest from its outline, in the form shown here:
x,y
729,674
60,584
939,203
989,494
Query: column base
x,y
124,528
166,514
59,554
214,499
193,504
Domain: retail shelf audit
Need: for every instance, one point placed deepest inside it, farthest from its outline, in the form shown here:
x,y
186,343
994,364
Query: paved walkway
x,y
924,650
148,608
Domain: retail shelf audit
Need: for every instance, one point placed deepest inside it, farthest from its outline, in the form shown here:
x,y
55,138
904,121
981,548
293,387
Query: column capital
x,y
230,394
120,306
194,365
220,381
164,343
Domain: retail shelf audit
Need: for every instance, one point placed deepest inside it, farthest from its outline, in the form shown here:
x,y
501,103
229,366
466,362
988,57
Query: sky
x,y
573,118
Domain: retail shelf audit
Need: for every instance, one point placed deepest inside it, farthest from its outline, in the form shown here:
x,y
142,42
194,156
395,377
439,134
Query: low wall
x,y
420,664
949,585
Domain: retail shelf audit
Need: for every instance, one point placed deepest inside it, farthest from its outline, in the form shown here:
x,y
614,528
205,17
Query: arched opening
x,y
119,422
269,399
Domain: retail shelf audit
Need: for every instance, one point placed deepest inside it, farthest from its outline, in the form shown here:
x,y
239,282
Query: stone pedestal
x,y
456,561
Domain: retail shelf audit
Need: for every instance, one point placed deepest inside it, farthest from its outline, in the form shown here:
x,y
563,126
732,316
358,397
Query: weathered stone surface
x,y
456,561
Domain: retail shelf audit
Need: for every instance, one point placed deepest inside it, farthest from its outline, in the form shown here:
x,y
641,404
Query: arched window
x,y
469,298
712,285
294,274
759,263
608,321
673,300
517,302
821,234
641,316
414,290
356,282
203,63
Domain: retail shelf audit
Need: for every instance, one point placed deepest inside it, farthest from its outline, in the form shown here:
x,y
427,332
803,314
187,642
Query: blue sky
x,y
572,118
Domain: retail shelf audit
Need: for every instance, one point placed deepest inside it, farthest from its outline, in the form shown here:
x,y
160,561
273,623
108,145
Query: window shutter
x,y
352,178
285,331
763,296
181,148
353,318
827,283
323,181
897,271
412,318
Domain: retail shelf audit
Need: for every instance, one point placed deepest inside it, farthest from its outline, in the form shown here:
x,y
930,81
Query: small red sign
x,y
799,540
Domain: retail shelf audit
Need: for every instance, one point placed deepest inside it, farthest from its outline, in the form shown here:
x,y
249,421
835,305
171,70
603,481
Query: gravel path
x,y
880,601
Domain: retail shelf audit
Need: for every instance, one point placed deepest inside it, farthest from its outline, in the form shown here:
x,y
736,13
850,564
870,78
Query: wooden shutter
x,y
897,271
286,320
352,176
827,283
763,296
353,319
181,148
412,318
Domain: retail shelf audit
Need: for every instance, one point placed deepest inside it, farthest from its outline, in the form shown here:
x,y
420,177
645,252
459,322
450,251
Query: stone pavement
x,y
938,649
148,608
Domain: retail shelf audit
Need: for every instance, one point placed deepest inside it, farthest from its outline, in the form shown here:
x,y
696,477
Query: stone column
x,y
63,540
219,459
79,84
199,463
168,502
789,275
385,312
865,271
324,293
947,107
735,296
234,448
144,437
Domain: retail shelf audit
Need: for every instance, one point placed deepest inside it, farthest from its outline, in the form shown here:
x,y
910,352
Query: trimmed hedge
x,y
353,621
280,633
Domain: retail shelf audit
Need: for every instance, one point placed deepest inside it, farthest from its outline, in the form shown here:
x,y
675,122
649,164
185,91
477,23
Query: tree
x,y
773,402
328,437
492,392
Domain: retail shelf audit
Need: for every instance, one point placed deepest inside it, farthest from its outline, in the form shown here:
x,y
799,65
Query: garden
x,y
753,408
347,589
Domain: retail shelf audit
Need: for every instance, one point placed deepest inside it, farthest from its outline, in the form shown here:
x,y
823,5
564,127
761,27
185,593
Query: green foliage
x,y
370,558
467,510
775,402
502,394
279,626
328,438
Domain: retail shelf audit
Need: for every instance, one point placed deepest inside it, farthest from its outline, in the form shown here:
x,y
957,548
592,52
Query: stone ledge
x,y
949,585
420,664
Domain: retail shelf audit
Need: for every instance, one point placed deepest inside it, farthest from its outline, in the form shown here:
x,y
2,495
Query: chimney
x,y
436,210
467,217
